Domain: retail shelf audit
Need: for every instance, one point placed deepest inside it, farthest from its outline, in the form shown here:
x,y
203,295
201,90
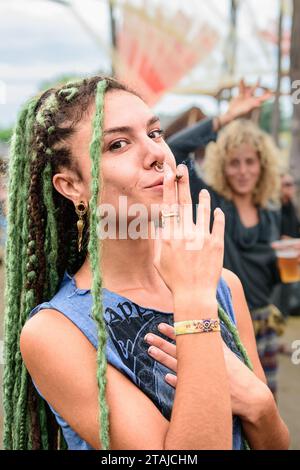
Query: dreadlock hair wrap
x,y
42,245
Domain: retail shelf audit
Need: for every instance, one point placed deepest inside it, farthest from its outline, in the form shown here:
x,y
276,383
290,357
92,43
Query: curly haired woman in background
x,y
241,172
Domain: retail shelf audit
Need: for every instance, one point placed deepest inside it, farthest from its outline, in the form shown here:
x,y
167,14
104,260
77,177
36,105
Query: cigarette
x,y
178,177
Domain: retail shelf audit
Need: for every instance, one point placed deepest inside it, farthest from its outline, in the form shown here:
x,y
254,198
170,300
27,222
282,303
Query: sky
x,y
41,40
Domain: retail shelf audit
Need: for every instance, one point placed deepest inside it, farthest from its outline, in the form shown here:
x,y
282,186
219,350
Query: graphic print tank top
x,y
127,324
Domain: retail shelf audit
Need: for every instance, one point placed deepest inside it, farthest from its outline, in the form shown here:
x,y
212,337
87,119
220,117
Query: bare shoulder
x,y
240,306
232,280
46,329
63,365
47,336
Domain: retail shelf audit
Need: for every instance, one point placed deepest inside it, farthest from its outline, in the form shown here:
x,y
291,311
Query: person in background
x,y
290,223
242,176
198,136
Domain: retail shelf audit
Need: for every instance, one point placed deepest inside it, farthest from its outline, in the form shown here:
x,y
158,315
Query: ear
x,y
70,186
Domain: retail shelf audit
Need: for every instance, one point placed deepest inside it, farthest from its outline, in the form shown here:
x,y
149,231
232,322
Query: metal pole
x,y
233,37
295,75
113,32
276,110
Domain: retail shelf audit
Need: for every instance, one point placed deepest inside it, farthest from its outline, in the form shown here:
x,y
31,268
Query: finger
x,y
169,201
169,190
157,245
183,186
163,358
203,213
185,199
161,344
171,380
167,330
242,87
218,229
265,97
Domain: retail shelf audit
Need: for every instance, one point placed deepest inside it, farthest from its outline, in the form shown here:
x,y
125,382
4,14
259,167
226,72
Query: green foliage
x,y
5,134
265,121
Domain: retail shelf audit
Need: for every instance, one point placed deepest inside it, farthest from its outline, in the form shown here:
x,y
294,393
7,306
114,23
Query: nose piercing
x,y
159,167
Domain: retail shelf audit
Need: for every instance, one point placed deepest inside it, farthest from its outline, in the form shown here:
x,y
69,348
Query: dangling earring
x,y
81,210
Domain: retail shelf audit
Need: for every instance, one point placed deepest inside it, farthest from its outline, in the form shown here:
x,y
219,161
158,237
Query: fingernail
x,y
204,192
152,351
161,328
179,172
148,338
218,211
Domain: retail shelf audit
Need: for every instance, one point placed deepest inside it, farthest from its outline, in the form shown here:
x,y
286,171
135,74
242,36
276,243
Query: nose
x,y
243,168
153,151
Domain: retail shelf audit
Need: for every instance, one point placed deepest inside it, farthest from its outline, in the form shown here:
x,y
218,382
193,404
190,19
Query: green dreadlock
x,y
37,235
37,220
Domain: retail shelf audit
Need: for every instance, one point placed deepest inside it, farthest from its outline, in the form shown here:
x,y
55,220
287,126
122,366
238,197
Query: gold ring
x,y
165,215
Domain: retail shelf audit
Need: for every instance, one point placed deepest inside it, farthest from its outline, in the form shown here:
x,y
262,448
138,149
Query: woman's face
x,y
243,170
132,143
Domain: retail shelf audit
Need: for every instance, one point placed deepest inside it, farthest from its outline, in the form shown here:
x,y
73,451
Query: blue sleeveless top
x,y
127,324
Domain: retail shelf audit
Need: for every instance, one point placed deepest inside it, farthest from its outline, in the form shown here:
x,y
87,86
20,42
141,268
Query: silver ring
x,y
169,214
165,215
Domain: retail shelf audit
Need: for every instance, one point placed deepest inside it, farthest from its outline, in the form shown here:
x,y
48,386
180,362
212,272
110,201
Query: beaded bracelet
x,y
209,325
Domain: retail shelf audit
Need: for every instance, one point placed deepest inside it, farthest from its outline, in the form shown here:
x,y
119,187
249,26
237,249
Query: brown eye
x,y
119,144
156,133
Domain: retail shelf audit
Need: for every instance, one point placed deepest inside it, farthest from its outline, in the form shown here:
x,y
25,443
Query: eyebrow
x,y
127,129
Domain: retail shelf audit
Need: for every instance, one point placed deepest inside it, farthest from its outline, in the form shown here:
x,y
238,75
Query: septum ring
x,y
159,167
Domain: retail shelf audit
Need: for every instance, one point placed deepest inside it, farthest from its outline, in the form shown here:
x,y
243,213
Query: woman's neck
x,y
247,210
125,265
243,201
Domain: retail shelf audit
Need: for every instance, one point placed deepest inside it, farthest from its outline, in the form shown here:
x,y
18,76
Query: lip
x,y
243,182
156,184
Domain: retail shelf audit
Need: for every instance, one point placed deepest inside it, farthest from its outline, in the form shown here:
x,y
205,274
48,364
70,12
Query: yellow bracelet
x,y
210,325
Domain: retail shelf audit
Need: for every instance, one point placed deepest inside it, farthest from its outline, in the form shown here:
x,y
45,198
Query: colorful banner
x,y
155,52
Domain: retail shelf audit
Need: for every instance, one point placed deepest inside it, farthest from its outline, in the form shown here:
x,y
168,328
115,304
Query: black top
x,y
247,251
290,224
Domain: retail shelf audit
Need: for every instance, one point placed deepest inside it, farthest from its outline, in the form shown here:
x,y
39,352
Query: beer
x,y
287,252
288,267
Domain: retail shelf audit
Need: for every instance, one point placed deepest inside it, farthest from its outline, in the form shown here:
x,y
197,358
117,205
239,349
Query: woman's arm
x,y
63,365
200,134
251,399
265,429
192,138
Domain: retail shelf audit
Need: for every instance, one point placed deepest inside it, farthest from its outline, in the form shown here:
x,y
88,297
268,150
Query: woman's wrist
x,y
195,305
221,121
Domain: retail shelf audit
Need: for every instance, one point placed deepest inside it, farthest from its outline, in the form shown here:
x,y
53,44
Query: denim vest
x,y
127,324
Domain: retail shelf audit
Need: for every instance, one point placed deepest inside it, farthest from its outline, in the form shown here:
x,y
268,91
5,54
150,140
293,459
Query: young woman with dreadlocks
x,y
78,307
